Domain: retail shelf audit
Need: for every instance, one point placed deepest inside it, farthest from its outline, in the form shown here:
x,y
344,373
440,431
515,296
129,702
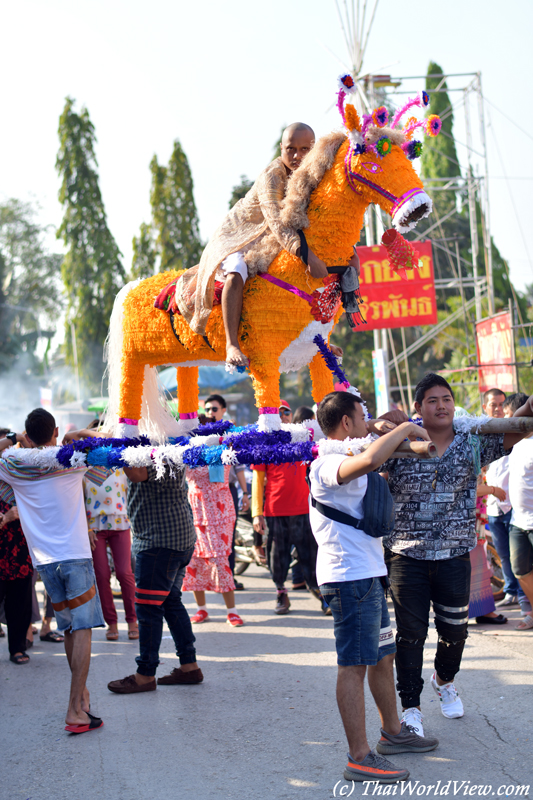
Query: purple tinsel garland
x,y
67,451
276,454
331,360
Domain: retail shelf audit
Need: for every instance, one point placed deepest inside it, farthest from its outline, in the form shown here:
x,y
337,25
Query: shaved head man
x,y
296,142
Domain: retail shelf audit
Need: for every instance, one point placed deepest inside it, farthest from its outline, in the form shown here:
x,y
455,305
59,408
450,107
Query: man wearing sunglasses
x,y
284,504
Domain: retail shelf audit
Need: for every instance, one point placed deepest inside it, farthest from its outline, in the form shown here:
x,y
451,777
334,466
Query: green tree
x,y
144,253
175,218
30,285
92,268
240,190
439,156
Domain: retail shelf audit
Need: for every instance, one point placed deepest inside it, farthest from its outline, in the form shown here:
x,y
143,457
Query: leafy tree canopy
x,y
172,240
30,284
240,190
92,267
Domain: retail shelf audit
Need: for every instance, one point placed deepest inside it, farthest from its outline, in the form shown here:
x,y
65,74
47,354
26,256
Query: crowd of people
x,y
166,535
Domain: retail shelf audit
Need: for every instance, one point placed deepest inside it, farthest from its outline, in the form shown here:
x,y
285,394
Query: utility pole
x,y
486,228
472,205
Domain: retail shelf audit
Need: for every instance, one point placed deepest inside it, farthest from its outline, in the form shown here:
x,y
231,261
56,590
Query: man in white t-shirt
x,y
521,528
51,508
351,574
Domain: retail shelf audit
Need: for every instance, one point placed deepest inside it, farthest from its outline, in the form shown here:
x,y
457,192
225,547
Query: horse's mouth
x,y
417,214
411,212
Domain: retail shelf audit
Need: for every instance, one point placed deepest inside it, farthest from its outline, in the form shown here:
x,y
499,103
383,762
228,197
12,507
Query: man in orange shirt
x,y
284,504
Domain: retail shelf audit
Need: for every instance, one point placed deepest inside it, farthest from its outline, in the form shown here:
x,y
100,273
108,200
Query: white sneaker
x,y
508,600
413,718
451,705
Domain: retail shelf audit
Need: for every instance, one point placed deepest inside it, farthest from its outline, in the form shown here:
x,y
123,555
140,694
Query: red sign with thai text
x,y
495,353
391,301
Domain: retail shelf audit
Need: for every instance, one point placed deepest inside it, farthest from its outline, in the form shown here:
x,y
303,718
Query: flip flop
x,y
20,659
52,636
95,723
134,634
526,624
111,636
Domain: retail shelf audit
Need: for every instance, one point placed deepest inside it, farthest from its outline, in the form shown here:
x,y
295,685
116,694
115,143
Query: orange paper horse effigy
x,y
285,308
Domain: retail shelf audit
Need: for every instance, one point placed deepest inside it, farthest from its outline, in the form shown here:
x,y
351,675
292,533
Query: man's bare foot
x,y
235,357
76,719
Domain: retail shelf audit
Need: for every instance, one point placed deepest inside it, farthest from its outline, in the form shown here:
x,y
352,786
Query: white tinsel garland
x,y
344,447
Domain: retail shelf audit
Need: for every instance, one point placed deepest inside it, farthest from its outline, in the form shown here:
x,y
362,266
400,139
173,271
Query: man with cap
x,y
280,498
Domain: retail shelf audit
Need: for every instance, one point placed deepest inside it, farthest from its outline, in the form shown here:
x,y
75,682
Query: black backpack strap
x,y
304,248
335,514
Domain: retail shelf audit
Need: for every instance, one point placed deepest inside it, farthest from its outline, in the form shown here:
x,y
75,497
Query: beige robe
x,y
252,226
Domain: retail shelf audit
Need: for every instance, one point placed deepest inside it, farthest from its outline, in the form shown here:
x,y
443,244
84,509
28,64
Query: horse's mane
x,y
302,183
306,178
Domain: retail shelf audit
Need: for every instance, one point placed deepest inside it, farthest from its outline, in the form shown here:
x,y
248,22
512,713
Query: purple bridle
x,y
351,177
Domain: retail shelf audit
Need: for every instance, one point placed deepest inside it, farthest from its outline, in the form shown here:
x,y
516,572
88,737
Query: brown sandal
x,y
133,634
111,636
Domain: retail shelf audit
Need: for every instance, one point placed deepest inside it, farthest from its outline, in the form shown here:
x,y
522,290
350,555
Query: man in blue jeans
x,y
521,528
163,543
499,507
351,573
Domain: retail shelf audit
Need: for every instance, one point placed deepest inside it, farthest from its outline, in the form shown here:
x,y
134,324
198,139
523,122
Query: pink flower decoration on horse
x,y
380,117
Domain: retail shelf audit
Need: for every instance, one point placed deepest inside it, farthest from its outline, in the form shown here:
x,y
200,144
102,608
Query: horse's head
x,y
378,165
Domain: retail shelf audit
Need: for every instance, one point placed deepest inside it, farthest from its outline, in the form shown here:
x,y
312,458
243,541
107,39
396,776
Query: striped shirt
x,y
160,513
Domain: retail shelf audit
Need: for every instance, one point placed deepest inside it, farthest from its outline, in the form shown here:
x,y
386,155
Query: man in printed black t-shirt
x,y
427,556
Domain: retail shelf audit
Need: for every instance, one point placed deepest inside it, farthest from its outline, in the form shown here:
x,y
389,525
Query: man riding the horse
x,y
246,243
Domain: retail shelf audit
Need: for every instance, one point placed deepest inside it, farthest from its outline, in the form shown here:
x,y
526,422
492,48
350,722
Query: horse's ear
x,y
352,118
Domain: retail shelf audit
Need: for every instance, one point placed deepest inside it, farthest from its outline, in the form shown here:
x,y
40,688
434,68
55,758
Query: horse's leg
x,y
187,379
131,393
321,378
267,398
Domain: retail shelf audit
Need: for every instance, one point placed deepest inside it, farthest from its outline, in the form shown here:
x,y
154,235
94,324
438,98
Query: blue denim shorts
x,y
363,633
71,586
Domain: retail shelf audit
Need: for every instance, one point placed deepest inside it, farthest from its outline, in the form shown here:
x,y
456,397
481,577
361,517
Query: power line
x,y
524,240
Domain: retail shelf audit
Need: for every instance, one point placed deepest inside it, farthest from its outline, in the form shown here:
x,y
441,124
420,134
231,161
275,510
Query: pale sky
x,y
225,77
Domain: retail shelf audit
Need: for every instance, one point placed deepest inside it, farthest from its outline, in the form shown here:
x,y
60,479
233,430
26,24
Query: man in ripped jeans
x,y
427,556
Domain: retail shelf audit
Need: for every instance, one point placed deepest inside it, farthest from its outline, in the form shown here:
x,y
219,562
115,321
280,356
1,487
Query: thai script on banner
x,y
391,301
495,353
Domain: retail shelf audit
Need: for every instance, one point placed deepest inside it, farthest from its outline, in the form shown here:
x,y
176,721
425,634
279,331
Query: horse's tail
x,y
156,420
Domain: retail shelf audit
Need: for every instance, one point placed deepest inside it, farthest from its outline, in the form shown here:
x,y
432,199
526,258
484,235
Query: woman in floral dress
x,y
214,518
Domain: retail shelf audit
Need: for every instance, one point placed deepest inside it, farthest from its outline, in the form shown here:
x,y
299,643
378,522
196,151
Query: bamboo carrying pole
x,y
429,450
504,425
415,450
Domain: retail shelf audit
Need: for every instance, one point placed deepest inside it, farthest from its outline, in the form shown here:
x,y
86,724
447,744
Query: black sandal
x,y
52,636
21,658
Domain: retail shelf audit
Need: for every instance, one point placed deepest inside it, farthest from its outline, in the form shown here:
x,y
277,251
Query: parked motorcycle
x,y
244,546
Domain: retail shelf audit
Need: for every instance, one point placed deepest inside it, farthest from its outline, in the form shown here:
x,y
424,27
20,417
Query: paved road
x,y
264,723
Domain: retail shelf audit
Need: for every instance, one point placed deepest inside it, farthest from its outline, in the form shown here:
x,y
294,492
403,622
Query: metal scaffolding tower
x,y
470,188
